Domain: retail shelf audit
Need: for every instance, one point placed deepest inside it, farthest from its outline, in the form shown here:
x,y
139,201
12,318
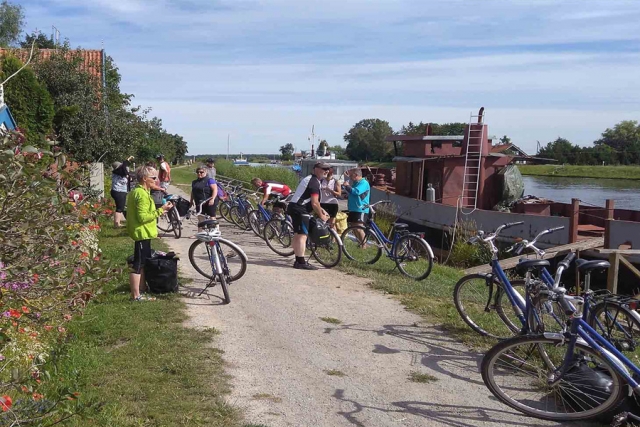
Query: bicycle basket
x,y
182,205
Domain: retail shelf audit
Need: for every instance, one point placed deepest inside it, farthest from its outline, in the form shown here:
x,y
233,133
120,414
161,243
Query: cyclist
x,y
164,172
358,197
203,188
271,190
211,168
306,199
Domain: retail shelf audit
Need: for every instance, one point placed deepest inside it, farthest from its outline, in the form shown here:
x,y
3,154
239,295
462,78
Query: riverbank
x,y
135,363
582,171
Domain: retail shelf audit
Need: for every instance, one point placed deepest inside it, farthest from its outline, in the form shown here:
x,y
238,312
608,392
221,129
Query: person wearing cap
x,y
305,200
211,168
119,189
164,172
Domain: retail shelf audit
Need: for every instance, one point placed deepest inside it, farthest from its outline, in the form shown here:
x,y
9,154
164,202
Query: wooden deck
x,y
508,263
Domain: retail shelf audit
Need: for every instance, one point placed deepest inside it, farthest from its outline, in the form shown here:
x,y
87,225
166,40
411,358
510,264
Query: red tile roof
x,y
92,59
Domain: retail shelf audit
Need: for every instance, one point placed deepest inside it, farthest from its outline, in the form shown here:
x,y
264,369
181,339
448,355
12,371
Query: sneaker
x,y
144,298
305,266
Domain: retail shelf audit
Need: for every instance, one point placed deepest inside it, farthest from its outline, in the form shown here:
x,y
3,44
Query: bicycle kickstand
x,y
211,284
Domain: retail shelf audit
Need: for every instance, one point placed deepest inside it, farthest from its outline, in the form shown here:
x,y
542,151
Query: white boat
x,y
241,161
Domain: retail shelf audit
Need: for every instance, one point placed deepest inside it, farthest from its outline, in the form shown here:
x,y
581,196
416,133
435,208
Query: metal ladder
x,y
472,161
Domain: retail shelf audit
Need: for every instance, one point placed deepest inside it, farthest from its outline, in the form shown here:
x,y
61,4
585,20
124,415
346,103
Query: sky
x,y
263,72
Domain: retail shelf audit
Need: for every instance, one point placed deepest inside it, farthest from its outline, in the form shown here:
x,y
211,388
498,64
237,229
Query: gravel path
x,y
290,368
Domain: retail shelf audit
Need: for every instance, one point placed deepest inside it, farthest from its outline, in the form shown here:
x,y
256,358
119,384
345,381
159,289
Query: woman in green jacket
x,y
142,216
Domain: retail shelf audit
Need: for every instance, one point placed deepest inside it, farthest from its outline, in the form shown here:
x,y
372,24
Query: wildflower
x,y
14,313
25,309
37,396
84,254
74,243
5,403
48,327
36,277
2,357
80,270
67,317
61,329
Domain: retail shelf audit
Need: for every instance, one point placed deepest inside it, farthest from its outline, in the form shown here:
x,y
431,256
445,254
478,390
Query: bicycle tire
x,y
419,249
238,219
164,224
473,311
356,250
223,209
200,259
256,220
621,327
225,288
334,248
543,355
175,222
281,231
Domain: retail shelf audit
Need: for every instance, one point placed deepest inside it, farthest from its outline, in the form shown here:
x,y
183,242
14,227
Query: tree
x,y
42,41
505,140
366,140
11,23
446,129
323,147
561,150
287,151
624,138
339,151
29,100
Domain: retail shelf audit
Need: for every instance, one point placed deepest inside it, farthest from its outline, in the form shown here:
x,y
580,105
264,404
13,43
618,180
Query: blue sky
x,y
266,71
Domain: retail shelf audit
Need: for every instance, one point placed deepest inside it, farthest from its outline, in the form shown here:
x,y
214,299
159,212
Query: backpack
x,y
161,273
319,232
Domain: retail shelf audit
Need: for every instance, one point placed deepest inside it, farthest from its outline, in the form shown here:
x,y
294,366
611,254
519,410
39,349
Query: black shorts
x,y
353,217
331,208
208,209
299,218
141,252
120,197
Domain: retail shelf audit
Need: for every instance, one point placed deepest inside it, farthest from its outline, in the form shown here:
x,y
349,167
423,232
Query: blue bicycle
x,y
411,253
575,375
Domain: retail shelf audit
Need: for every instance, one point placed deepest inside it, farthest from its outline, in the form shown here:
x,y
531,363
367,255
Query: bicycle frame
x,y
380,235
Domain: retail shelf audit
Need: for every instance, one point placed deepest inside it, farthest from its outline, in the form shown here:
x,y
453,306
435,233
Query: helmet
x,y
160,156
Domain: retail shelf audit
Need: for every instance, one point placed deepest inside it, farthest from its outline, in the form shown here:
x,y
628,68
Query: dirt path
x,y
290,368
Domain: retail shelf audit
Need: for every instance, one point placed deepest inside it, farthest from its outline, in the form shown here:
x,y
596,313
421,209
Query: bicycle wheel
x,y
164,223
224,211
484,306
516,371
361,244
238,218
256,222
175,222
278,233
328,254
618,324
200,258
225,288
413,257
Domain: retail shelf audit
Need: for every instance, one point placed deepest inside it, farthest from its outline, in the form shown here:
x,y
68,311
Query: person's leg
x,y
134,276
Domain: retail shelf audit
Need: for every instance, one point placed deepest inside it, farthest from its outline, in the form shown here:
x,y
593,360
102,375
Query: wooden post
x,y
612,279
607,223
574,219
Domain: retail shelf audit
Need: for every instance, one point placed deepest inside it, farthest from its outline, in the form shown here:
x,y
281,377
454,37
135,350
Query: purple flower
x,y
6,314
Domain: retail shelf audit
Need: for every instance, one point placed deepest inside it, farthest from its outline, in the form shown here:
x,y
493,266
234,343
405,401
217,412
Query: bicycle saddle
x,y
208,223
400,225
585,266
531,264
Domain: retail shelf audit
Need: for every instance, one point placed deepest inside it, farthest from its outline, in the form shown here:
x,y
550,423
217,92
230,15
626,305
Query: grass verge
x,y
135,363
609,172
418,377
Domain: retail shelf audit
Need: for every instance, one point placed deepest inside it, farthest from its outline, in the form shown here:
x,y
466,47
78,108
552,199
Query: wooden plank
x,y
619,251
630,266
549,253
612,278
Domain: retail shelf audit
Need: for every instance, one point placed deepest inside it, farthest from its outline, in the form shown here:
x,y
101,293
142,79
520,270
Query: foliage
x,y
225,168
610,172
11,23
49,268
366,140
42,41
624,139
287,151
436,129
505,140
464,255
339,151
29,101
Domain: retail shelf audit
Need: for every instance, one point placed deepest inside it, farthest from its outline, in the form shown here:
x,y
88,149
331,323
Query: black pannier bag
x,y
319,232
161,273
182,205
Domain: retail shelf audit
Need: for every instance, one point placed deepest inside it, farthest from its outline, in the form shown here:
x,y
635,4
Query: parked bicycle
x,y
217,259
169,221
411,253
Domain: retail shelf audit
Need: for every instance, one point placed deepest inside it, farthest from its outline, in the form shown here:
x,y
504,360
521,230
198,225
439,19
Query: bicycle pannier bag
x,y
182,205
161,274
319,231
157,197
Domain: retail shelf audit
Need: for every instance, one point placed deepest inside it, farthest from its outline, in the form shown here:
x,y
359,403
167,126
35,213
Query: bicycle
x,y
170,221
570,376
208,257
258,218
278,233
239,213
411,253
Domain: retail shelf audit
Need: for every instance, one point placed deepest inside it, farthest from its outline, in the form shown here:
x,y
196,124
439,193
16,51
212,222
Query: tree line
x,y
57,98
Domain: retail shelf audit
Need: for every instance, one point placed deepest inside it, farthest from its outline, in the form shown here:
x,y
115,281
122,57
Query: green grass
x,y
610,172
331,320
417,377
335,373
135,363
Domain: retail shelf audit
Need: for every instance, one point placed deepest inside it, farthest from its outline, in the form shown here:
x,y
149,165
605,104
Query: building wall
x,y
625,232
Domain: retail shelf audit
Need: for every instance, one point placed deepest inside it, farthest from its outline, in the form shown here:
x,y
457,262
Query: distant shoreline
x,y
582,171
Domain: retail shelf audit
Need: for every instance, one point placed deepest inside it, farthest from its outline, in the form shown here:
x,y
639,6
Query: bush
x,y
246,173
462,254
49,268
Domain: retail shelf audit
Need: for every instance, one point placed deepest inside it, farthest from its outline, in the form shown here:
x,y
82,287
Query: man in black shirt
x,y
306,200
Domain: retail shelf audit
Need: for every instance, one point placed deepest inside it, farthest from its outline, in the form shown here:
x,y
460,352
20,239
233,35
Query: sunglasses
x,y
153,177
199,172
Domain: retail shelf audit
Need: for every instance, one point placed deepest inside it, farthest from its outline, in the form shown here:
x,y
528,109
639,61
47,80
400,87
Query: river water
x,y
625,192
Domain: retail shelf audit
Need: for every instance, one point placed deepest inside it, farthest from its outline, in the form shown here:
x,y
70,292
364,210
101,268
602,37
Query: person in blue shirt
x,y
358,192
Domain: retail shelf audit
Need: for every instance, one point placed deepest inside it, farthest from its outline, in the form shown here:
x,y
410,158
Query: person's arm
x,y
122,169
314,188
191,197
337,191
156,187
142,211
358,189
214,191
266,192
